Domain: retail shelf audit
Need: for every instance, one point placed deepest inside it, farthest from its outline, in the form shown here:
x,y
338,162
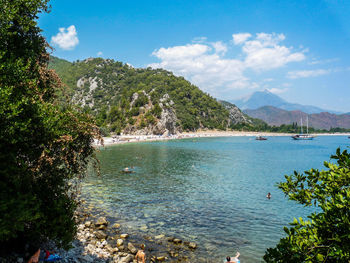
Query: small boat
x,y
303,136
260,138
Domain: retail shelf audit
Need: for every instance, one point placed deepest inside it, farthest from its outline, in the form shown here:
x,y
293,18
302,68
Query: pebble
x,y
124,236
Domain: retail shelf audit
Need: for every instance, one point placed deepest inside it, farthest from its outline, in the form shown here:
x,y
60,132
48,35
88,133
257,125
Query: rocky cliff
x,y
141,101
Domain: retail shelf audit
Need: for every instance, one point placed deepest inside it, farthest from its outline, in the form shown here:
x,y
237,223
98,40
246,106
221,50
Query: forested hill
x,y
140,100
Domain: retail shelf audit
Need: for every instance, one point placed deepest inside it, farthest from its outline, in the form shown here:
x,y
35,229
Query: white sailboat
x,y
301,135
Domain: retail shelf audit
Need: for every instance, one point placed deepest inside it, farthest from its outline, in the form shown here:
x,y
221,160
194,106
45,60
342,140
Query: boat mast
x,y
301,126
307,124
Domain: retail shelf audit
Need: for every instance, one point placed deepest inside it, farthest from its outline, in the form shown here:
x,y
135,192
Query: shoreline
x,y
122,139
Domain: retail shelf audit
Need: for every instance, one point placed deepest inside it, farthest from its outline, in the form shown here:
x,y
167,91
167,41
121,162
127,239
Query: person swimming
x,y
268,196
234,259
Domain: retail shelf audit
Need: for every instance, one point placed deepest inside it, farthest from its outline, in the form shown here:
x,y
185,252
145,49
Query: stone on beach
x,y
192,245
124,236
100,234
120,242
101,221
132,248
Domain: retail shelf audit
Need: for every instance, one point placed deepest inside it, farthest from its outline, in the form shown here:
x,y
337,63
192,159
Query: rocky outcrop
x,y
235,114
166,124
84,94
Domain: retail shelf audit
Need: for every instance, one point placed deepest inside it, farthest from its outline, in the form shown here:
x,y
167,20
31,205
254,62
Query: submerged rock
x,y
132,248
192,245
100,234
124,236
120,242
101,221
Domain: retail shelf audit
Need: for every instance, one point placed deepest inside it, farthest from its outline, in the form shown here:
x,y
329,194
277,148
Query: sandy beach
x,y
121,139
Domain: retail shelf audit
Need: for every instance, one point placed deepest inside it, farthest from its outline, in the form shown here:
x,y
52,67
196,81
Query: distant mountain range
x,y
265,98
275,116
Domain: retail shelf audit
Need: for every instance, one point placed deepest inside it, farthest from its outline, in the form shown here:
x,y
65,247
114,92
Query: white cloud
x,y
307,73
199,40
326,61
66,39
240,38
99,53
277,91
220,47
207,65
265,53
202,65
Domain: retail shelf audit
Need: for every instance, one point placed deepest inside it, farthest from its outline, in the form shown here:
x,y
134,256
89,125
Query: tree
x,y
325,237
44,147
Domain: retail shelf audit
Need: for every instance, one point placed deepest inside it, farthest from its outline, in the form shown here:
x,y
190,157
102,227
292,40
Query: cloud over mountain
x,y
215,69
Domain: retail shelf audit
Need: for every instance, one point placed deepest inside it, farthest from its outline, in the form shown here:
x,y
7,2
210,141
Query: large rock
x,y
120,242
192,245
101,221
132,248
127,259
100,234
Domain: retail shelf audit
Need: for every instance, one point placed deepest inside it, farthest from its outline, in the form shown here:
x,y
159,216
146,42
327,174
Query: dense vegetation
x,y
110,99
325,237
43,145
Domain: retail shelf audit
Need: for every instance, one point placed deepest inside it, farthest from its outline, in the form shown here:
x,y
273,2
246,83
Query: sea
x,y
211,191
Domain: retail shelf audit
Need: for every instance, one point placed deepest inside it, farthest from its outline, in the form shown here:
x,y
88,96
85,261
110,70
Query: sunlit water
x,y
209,190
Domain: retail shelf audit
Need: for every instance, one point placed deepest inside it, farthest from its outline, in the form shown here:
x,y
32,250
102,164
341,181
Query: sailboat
x,y
301,135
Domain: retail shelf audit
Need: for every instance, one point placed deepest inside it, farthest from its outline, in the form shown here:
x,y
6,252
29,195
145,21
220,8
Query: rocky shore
x,y
100,241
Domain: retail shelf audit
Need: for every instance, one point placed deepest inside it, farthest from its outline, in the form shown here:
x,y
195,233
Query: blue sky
x,y
296,49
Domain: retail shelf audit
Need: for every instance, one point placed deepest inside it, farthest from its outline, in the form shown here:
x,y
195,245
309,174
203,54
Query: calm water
x,y
209,190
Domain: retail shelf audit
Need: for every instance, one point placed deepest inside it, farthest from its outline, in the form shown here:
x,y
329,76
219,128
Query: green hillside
x,y
124,98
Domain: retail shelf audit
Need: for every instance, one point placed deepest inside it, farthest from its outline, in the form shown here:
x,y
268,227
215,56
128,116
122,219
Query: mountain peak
x,y
266,98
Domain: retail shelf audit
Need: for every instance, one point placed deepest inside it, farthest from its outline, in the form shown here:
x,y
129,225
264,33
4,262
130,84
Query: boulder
x,y
161,258
120,242
88,224
132,248
116,225
124,236
127,259
101,221
100,234
177,241
192,245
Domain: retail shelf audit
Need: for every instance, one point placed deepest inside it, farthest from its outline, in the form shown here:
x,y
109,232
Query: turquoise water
x,y
208,190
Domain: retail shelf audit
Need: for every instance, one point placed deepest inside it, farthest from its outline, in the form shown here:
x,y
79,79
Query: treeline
x,y
260,126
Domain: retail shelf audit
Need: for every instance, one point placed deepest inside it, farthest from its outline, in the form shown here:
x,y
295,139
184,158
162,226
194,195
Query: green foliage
x,y
44,146
325,237
157,111
141,100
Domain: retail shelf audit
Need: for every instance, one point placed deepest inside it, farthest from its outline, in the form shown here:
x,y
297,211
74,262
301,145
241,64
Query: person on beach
x,y
140,255
268,196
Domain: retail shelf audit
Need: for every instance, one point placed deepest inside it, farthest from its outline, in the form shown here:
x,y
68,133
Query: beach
x,y
129,138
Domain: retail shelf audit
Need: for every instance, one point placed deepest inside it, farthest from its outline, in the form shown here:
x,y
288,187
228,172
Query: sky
x,y
299,50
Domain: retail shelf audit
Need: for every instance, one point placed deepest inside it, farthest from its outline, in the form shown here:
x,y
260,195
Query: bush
x,y
325,237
